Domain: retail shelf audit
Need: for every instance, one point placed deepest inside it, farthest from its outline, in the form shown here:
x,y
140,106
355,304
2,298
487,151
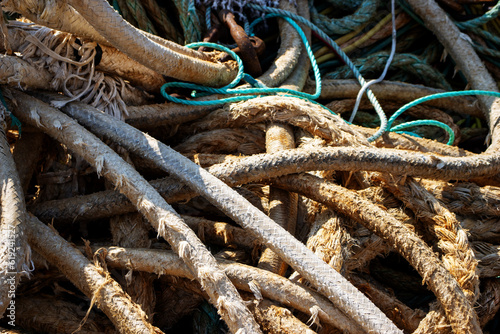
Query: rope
x,y
241,75
79,80
229,89
449,131
365,12
387,65
407,62
14,121
137,11
235,6
327,40
486,35
189,20
478,21
432,122
162,21
359,41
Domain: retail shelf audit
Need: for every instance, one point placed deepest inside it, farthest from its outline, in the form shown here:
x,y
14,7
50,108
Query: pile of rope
x,y
214,166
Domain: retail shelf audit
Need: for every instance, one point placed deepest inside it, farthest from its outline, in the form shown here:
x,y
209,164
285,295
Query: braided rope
x,y
322,35
296,254
254,91
162,20
466,197
478,21
458,256
365,12
160,214
137,11
13,264
406,62
79,80
189,20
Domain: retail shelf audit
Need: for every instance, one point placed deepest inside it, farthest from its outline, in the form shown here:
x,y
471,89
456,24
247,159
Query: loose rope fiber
x,y
159,57
161,215
296,254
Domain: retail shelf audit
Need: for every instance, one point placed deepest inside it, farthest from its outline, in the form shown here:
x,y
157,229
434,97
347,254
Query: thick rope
x,y
296,254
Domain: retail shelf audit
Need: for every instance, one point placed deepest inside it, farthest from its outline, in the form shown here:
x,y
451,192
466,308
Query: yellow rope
x,y
341,40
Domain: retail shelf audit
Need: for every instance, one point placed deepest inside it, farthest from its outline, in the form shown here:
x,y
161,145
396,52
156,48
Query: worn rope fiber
x,y
15,254
156,56
332,284
265,166
163,218
466,59
439,280
457,257
270,285
95,283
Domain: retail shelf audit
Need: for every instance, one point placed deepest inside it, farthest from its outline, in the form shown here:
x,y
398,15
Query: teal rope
x,y
451,134
478,21
433,97
408,133
342,55
194,23
486,51
365,12
14,121
189,20
241,75
208,18
486,35
409,63
116,7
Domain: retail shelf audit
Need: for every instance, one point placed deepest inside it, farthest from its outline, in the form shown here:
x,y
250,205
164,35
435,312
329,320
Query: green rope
x,y
486,35
137,11
162,22
478,21
486,50
341,26
116,7
472,25
406,62
189,20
